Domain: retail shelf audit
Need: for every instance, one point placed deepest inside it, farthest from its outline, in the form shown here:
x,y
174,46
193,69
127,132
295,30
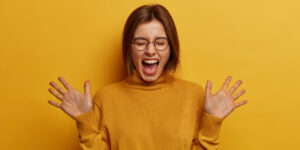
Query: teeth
x,y
150,61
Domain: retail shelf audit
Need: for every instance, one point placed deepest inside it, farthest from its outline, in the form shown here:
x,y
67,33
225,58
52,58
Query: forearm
x,y
91,136
208,135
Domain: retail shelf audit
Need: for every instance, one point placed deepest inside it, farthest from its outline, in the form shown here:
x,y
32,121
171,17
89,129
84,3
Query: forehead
x,y
150,30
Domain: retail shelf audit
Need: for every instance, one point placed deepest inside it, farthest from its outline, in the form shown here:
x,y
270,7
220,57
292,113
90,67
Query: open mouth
x,y
150,66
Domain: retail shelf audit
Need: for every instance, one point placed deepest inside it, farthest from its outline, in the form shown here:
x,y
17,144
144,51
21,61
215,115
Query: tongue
x,y
150,69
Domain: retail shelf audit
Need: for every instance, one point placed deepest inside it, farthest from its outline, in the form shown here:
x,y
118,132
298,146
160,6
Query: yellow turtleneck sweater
x,y
167,114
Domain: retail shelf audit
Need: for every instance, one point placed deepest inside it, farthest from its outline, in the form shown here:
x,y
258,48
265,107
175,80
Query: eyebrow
x,y
143,38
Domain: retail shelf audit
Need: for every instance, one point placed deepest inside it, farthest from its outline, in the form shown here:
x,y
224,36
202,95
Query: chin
x,y
149,78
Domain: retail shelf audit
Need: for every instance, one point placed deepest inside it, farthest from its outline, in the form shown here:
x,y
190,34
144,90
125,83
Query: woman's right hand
x,y
73,102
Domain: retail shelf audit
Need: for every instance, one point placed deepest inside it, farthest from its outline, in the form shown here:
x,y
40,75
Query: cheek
x,y
135,57
165,56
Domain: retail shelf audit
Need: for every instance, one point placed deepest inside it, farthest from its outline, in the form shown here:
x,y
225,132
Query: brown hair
x,y
147,13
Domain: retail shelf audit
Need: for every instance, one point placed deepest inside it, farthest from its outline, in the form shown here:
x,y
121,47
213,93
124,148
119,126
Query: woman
x,y
151,108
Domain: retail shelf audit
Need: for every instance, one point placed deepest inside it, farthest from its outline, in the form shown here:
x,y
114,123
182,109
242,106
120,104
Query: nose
x,y
150,50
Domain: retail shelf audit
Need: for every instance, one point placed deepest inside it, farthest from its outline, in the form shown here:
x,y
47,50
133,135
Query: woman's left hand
x,y
222,103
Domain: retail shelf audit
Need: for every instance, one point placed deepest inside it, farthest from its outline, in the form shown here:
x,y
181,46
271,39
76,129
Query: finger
x,y
58,88
57,95
226,83
208,88
235,86
87,87
54,104
240,93
238,104
65,83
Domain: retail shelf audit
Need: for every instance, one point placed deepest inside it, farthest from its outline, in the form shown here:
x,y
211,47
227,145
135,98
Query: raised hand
x,y
73,102
222,103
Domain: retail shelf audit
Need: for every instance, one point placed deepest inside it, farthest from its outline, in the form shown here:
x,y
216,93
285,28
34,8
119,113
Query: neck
x,y
136,81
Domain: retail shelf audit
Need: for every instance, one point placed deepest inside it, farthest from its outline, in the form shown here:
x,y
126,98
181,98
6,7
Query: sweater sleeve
x,y
92,136
209,130
208,135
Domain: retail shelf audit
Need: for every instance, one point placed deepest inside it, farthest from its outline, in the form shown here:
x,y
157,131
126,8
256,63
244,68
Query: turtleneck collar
x,y
136,81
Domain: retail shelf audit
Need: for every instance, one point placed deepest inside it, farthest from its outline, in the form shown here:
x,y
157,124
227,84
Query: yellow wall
x,y
256,41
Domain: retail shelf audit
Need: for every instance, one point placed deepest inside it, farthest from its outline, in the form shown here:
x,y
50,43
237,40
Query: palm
x,y
73,102
222,103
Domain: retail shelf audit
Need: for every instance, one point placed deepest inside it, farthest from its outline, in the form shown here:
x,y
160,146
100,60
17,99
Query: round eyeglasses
x,y
141,44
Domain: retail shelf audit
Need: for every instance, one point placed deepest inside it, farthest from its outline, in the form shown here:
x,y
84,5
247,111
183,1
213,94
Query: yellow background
x,y
256,41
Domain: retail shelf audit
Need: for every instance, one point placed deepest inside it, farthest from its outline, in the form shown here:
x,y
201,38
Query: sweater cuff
x,y
87,123
211,125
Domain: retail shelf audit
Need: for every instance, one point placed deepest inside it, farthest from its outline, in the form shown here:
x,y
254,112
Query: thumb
x,y
87,87
208,88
